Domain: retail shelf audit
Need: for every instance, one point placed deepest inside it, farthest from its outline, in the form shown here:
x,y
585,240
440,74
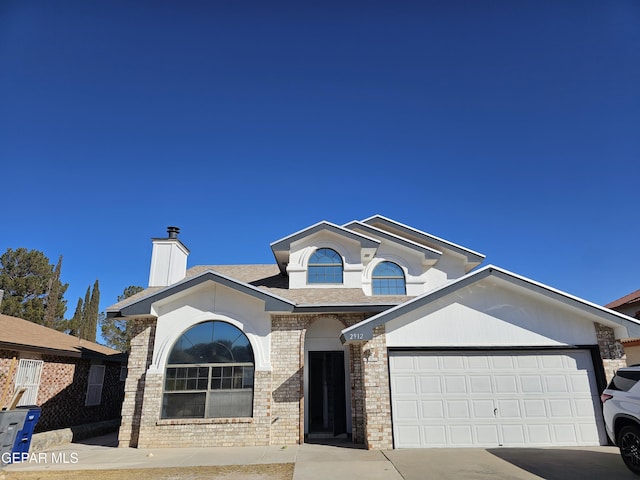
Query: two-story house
x,y
373,331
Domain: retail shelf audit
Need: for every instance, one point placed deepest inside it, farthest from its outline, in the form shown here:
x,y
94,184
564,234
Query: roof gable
x,y
142,305
364,330
281,248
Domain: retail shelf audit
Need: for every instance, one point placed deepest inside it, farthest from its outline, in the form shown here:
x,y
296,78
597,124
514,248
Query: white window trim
x,y
95,381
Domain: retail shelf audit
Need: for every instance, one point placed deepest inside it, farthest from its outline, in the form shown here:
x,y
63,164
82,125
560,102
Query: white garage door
x,y
488,399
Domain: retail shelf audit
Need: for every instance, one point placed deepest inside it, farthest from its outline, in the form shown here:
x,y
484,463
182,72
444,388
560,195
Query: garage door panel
x,y
534,408
430,384
483,409
508,408
408,410
435,436
527,362
453,362
530,384
506,384
478,362
560,408
405,385
556,384
480,384
432,409
513,435
458,409
539,434
533,398
487,434
455,384
461,435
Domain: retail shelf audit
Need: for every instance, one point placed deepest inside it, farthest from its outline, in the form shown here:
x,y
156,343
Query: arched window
x,y
325,266
388,279
209,373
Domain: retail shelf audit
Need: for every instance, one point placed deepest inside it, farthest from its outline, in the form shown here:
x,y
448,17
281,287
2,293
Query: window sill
x,y
203,421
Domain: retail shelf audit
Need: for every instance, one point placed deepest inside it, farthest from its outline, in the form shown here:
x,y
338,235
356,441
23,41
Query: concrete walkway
x,y
316,462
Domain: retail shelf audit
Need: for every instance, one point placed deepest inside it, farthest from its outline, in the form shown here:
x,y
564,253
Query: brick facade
x,y
278,405
63,387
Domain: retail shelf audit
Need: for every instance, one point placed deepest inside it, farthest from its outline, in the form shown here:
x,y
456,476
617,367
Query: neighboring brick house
x,y
73,381
629,305
372,331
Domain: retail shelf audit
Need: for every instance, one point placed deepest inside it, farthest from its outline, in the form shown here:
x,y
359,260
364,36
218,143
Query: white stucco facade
x,y
211,301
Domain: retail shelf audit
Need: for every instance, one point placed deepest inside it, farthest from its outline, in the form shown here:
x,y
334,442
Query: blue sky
x,y
509,127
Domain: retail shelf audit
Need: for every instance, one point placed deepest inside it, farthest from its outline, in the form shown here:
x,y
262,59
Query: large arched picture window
x,y
209,373
388,279
325,266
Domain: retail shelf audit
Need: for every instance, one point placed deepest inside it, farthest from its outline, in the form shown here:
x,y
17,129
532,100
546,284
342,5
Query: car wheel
x,y
629,442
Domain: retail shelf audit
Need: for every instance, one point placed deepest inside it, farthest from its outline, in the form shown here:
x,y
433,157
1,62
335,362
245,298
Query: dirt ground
x,y
276,471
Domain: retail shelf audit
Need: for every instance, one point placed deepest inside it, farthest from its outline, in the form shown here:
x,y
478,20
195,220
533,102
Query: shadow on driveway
x,y
510,463
567,464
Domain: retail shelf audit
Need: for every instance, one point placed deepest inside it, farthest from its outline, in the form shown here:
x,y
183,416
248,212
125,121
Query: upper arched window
x,y
325,266
209,373
388,279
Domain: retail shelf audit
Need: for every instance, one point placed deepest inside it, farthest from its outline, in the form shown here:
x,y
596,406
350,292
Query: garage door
x,y
488,399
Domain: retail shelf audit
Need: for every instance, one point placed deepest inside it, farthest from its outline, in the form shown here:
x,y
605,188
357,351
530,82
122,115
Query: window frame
x,y
333,266
388,278
94,386
247,379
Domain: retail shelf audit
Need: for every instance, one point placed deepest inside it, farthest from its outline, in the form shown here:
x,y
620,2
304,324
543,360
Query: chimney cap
x,y
173,232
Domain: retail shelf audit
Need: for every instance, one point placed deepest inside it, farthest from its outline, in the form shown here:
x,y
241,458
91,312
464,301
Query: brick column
x,y
144,330
611,351
377,398
287,378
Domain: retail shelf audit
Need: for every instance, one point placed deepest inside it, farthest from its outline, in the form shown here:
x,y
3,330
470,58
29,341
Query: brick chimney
x,y
168,259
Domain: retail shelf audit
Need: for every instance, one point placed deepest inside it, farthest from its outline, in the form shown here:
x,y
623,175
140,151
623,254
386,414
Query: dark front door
x,y
327,409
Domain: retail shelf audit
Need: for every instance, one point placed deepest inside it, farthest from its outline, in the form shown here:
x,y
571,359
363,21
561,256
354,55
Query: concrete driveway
x,y
348,461
510,463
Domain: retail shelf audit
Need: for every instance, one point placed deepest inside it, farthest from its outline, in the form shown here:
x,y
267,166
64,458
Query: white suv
x,y
621,409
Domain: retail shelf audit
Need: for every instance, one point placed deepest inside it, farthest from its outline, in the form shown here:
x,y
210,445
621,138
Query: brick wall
x,y
63,388
205,432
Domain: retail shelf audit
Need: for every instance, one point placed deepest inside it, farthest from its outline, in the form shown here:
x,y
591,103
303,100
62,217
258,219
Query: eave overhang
x,y
143,306
79,352
431,255
281,248
473,258
364,331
